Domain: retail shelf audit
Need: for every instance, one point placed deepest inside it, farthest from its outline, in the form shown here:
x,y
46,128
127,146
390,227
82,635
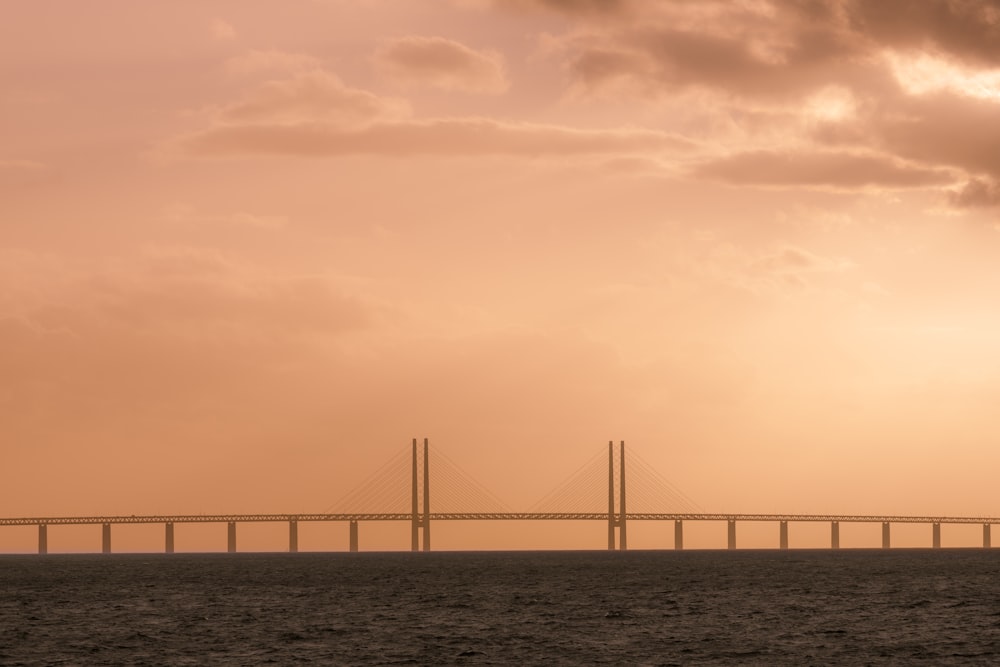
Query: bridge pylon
x,y
616,519
420,493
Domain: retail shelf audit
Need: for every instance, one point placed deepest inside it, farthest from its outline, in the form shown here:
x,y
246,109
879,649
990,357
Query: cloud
x,y
922,73
447,136
819,169
172,288
442,63
271,61
314,96
223,31
968,29
182,214
315,114
779,269
567,6
791,260
751,49
181,348
977,194
943,129
666,59
201,305
908,91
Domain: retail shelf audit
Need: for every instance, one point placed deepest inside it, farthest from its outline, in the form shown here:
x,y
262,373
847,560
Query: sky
x,y
249,250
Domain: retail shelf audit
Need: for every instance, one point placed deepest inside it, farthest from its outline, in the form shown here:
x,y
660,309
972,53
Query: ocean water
x,y
655,607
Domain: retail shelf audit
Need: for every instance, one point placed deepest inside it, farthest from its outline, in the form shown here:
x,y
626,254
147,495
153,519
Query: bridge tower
x,y
616,519
420,519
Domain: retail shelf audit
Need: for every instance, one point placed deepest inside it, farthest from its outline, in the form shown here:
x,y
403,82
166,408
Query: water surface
x,y
653,607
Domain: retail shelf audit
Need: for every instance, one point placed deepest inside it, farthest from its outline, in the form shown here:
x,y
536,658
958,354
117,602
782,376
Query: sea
x,y
796,607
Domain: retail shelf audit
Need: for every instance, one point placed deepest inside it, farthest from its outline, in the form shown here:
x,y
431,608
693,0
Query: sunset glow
x,y
249,250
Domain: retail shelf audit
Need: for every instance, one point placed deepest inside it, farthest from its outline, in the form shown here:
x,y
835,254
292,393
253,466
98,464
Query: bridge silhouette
x,y
400,490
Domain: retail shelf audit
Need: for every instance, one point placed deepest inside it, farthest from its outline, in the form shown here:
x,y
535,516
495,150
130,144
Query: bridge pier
x,y
106,538
731,525
678,535
168,538
936,535
783,535
293,536
354,537
43,538
616,519
885,535
231,541
986,536
834,534
414,505
427,498
418,520
611,495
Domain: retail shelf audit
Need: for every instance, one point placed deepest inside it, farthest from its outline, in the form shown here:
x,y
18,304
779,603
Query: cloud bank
x,y
442,63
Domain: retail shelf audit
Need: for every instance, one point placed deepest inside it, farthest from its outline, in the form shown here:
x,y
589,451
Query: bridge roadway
x,y
423,521
505,516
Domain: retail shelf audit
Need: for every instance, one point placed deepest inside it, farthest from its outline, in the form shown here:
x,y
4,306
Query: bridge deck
x,y
508,516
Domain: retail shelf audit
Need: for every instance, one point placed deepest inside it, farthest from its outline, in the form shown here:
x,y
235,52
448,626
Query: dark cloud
x,y
977,194
721,46
788,46
945,129
967,29
781,54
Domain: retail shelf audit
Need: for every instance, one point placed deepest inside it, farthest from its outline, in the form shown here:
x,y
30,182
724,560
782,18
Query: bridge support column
x,y
986,536
783,535
43,538
293,536
731,525
678,535
231,541
354,537
622,523
420,519
834,534
611,495
427,497
168,538
106,538
885,535
936,535
616,518
414,505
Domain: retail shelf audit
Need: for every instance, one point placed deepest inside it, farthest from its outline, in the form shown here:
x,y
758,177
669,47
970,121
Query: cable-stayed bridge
x,y
400,490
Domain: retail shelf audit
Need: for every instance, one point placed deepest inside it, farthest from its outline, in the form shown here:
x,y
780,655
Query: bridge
x,y
474,503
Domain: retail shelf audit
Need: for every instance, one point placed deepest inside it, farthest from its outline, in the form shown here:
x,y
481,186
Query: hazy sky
x,y
249,250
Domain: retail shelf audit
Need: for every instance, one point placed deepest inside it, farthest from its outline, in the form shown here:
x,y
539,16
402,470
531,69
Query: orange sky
x,y
249,250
